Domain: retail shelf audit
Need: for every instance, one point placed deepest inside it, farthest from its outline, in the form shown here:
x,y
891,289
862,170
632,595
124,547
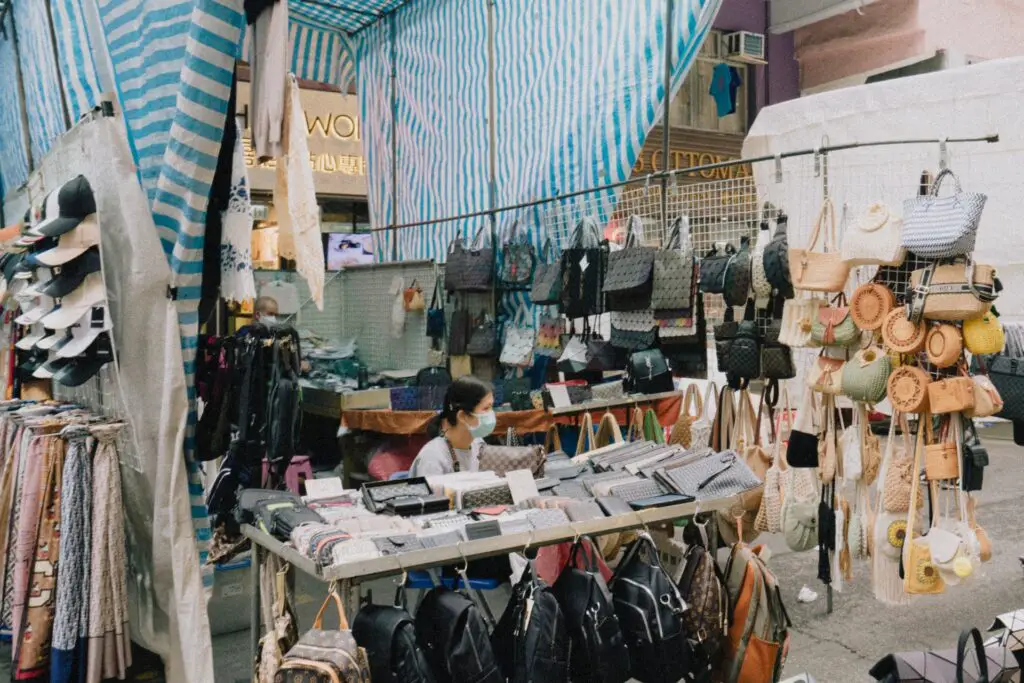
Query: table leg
x,y
254,614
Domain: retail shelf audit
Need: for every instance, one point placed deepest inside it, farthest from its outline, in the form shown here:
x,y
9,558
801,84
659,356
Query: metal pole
x,y
394,141
492,142
26,139
665,129
56,61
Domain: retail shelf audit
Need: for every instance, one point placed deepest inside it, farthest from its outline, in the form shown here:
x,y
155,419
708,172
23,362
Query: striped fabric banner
x,y
13,159
39,70
78,68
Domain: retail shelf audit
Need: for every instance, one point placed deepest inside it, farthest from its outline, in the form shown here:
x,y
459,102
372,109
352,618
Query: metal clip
x,y
778,168
817,162
943,155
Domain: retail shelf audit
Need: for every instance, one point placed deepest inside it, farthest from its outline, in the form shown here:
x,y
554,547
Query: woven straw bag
x,y
875,239
908,389
901,335
951,395
826,375
940,456
700,429
819,271
957,291
834,327
984,336
865,376
682,432
987,401
899,471
870,304
943,345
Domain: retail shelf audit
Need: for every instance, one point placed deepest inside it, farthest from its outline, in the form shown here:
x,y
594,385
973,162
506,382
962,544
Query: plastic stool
x,y
298,469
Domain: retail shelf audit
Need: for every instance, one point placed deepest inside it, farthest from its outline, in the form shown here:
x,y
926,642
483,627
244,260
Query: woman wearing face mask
x,y
467,417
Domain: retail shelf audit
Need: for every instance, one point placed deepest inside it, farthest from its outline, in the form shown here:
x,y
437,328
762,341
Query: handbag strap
x,y
680,226
545,251
332,594
961,654
937,183
552,440
636,425
481,238
586,234
710,394
608,431
724,417
585,442
633,227
915,487
828,238
434,298
690,399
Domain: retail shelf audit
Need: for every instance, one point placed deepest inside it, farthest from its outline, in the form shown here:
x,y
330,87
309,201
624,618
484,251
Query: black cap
x,y
65,208
68,277
31,362
88,364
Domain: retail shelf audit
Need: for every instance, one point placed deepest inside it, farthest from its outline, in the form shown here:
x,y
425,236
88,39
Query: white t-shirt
x,y
434,458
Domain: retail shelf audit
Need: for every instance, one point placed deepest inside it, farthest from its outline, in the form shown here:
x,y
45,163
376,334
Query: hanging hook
x,y
529,542
817,162
778,168
576,538
647,186
643,522
943,154
405,574
465,560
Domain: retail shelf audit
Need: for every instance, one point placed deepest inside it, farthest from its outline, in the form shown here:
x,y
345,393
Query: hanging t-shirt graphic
x,y
725,81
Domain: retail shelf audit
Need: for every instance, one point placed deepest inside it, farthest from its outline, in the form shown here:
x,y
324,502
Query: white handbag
x,y
875,238
700,430
798,316
853,467
519,340
759,279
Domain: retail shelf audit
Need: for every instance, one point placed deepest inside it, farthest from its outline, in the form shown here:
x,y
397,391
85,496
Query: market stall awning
x,y
348,15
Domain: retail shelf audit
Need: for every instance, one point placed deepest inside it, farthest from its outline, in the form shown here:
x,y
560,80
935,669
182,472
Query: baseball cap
x,y
42,278
85,331
65,208
73,306
87,365
32,338
71,274
31,363
34,314
50,340
72,244
50,368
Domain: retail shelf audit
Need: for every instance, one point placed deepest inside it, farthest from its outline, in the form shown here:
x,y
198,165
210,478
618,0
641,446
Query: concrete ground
x,y
836,648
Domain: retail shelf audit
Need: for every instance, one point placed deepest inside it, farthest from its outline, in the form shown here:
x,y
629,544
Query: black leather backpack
x,y
454,638
738,275
531,642
712,269
388,634
744,355
599,653
650,611
776,259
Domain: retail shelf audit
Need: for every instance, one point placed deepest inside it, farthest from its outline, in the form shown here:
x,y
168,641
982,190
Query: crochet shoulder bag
x,y
942,227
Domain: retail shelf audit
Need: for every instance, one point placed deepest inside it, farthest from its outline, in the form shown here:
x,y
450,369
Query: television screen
x,y
348,249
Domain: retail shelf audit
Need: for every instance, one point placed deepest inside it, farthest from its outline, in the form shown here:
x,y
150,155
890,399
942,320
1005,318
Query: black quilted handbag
x,y
583,267
647,372
483,341
579,393
776,259
633,340
518,259
713,267
547,278
975,458
472,269
1007,375
776,358
458,334
629,281
744,357
738,275
673,270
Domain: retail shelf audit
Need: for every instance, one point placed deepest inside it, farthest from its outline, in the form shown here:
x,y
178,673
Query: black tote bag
x,y
583,268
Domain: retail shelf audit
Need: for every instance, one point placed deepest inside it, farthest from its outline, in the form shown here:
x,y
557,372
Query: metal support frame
x,y
394,137
665,128
492,151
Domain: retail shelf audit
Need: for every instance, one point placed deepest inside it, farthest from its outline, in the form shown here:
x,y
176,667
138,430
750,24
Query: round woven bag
x,y
908,389
870,304
943,345
984,335
901,335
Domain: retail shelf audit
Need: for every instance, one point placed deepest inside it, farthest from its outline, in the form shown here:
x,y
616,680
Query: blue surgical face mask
x,y
485,423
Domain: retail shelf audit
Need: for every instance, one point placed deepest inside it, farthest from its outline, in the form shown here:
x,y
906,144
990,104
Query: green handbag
x,y
866,375
835,327
653,430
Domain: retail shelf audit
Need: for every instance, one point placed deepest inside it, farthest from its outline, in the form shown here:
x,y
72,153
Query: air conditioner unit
x,y
744,46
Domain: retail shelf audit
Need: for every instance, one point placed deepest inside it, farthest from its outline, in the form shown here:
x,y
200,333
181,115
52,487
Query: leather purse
x,y
601,356
504,459
951,395
777,362
725,333
483,341
713,267
738,275
866,375
942,227
547,278
870,304
875,238
776,259
518,260
975,459
943,345
407,506
583,269
834,327
987,401
984,336
1007,375
798,316
492,494
412,297
647,372
819,271
900,334
629,282
826,375
908,389
744,355
673,269
957,291
633,340
377,494
940,456
472,269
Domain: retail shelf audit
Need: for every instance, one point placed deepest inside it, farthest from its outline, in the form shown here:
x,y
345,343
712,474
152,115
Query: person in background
x,y
458,430
265,310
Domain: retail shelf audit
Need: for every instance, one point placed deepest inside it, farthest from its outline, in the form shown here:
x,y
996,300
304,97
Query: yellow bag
x,y
984,335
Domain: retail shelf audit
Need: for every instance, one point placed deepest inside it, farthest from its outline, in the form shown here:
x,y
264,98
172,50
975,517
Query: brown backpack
x,y
758,637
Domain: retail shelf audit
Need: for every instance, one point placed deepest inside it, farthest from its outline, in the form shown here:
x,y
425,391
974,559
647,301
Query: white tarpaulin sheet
x,y
968,102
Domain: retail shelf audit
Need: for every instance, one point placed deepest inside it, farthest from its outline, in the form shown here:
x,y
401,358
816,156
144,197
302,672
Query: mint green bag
x,y
866,375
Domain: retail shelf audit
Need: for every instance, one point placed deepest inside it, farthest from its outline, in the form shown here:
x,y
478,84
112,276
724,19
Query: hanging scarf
x,y
8,520
109,645
236,279
71,621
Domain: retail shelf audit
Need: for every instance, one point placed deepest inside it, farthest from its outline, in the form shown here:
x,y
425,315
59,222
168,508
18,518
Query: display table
x,y
351,574
405,422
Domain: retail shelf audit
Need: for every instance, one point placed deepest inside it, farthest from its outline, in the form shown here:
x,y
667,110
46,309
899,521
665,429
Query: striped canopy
x,y
350,16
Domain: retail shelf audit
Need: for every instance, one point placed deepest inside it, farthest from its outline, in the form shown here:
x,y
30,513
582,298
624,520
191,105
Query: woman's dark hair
x,y
465,393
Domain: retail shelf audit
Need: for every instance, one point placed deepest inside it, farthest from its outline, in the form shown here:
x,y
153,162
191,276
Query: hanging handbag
x,y
802,450
776,259
957,291
725,333
975,458
941,460
647,372
943,345
758,279
908,389
713,267
900,475
951,395
682,430
900,334
866,375
583,271
547,278
920,575
819,271
470,270
673,269
518,260
458,335
601,356
984,336
412,298
700,430
629,282
870,304
987,401
798,316
549,336
834,326
1007,375
826,375
504,459
874,239
483,341
776,358
942,227
633,340
744,355
435,314
738,275
519,341
574,356
324,656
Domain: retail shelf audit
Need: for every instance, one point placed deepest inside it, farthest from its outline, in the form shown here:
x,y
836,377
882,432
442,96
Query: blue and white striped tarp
x,y
77,65
350,16
13,159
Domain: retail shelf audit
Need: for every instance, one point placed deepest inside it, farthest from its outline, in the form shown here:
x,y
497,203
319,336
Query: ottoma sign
x,y
651,161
